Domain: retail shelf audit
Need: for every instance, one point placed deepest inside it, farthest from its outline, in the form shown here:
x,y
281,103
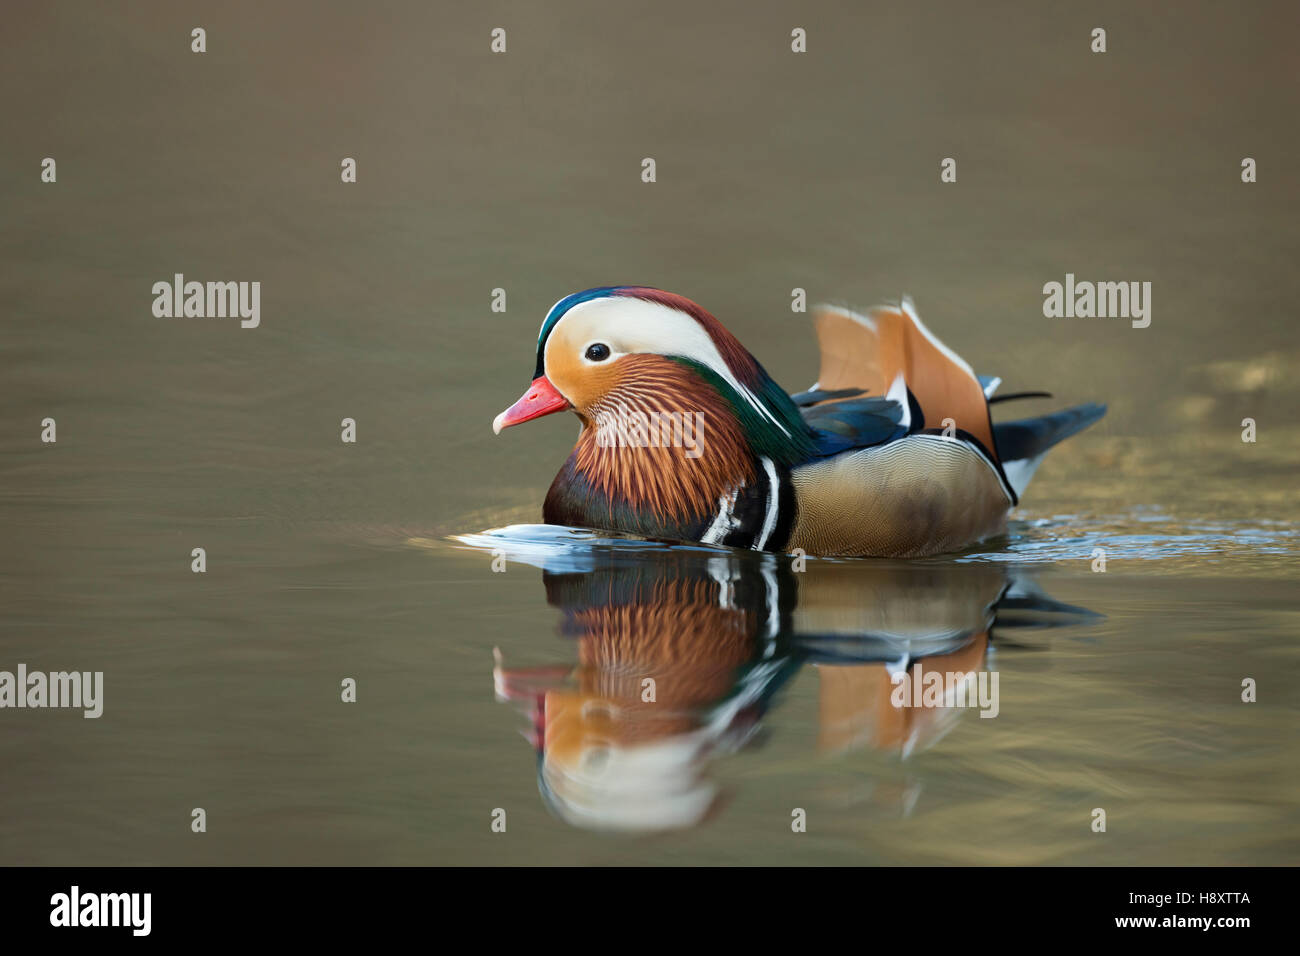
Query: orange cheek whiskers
x,y
663,440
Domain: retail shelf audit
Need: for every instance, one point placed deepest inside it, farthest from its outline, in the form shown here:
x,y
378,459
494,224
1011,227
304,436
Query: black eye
x,y
598,352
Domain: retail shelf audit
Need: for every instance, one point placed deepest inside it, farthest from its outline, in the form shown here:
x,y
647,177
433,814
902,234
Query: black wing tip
x,y
1030,437
1013,396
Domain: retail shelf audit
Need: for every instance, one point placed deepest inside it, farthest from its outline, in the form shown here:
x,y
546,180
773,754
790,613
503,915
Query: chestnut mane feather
x,y
664,480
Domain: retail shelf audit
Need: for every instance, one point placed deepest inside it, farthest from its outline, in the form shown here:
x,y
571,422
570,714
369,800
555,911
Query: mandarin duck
x,y
685,437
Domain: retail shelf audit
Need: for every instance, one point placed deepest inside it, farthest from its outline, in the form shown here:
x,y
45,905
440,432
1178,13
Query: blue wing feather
x,y
856,423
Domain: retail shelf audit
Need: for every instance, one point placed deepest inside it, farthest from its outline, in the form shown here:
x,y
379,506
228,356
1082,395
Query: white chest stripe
x,y
773,499
725,522
772,594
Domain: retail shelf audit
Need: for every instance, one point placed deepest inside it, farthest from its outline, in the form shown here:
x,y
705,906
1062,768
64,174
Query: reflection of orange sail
x,y
856,707
938,613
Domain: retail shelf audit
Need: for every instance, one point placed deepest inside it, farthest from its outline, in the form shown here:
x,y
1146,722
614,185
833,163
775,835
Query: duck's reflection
x,y
680,653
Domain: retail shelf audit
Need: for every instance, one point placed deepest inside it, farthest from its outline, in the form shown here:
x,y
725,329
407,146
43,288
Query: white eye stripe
x,y
629,325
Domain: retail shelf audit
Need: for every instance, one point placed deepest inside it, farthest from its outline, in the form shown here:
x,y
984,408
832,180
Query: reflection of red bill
x,y
542,398
527,688
524,683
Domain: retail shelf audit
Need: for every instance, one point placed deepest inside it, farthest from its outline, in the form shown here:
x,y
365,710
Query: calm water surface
x,y
522,690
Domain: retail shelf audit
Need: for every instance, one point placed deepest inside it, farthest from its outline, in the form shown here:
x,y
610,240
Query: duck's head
x,y
616,349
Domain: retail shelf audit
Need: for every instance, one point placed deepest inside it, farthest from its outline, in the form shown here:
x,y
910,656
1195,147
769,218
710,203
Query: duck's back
x,y
936,482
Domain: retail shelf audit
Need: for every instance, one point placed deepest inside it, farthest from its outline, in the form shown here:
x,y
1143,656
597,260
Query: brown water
x,y
522,171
